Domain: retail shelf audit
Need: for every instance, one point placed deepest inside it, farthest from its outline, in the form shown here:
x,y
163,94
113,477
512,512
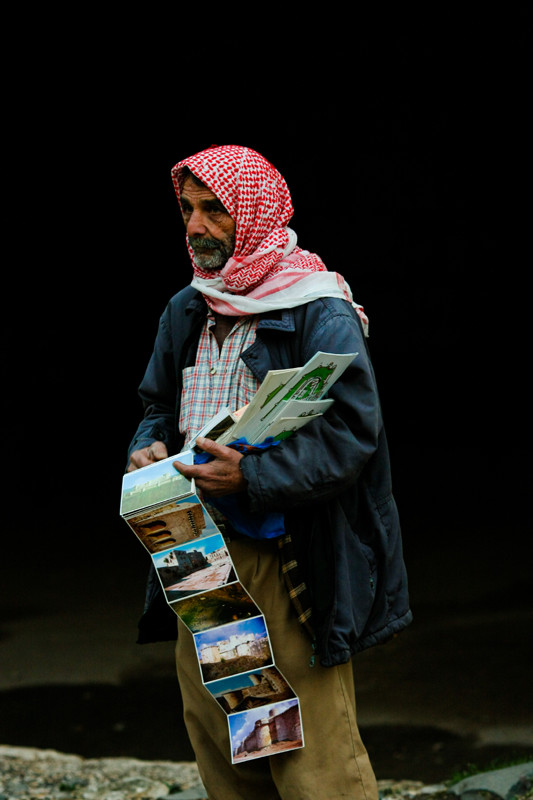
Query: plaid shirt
x,y
219,378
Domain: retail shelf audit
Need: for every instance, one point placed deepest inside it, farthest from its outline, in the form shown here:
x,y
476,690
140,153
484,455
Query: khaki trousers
x,y
334,763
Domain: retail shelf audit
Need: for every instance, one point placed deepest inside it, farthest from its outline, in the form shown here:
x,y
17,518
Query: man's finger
x,y
210,446
157,451
218,450
187,470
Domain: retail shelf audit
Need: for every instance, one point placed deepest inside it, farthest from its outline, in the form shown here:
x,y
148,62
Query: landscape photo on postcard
x,y
265,731
154,484
217,607
251,690
242,646
172,524
194,567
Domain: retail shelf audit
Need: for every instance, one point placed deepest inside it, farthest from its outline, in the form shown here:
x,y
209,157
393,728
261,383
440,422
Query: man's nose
x,y
196,224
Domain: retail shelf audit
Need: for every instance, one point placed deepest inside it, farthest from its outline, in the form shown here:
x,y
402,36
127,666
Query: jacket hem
x,y
379,637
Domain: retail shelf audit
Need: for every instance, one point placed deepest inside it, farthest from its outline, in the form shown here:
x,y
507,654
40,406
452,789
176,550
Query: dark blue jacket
x,y
331,480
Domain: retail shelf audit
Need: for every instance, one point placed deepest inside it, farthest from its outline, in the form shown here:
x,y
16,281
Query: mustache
x,y
204,243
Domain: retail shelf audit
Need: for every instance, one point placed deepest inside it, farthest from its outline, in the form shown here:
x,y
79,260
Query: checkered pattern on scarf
x,y
257,198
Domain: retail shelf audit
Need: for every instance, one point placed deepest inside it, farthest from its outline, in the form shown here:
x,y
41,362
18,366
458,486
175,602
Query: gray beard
x,y
216,258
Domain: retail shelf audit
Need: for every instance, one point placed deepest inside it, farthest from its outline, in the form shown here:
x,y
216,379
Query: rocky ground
x,y
32,774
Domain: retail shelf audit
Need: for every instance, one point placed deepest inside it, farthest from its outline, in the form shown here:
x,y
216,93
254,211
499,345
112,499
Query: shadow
x,y
143,720
430,754
138,719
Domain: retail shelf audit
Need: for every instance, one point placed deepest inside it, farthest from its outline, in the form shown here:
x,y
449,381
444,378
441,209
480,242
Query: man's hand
x,y
148,455
218,477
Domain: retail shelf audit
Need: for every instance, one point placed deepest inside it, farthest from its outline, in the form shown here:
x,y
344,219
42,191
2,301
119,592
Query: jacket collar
x,y
276,320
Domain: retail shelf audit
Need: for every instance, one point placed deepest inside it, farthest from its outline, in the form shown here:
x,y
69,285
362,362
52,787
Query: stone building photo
x,y
194,567
243,692
180,564
274,730
243,644
168,525
240,647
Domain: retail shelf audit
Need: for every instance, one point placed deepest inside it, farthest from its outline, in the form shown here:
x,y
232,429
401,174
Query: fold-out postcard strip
x,y
200,583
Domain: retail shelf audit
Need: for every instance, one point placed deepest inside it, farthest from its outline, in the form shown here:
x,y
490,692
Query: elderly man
x,y
333,582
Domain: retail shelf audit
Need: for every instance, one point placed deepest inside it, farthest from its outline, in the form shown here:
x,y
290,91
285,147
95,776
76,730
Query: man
x,y
333,582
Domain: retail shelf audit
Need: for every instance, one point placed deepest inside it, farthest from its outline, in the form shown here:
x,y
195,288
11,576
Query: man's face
x,y
210,228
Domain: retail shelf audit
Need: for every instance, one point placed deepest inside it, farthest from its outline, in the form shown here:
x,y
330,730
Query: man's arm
x,y
326,456
156,432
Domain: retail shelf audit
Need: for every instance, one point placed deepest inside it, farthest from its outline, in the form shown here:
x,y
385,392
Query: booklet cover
x,y
304,387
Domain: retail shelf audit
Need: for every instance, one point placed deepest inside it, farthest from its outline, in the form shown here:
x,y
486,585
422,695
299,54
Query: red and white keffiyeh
x,y
267,270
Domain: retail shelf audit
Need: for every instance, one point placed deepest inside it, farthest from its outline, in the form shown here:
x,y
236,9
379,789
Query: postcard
x,y
241,646
216,607
266,731
250,690
173,523
194,567
154,484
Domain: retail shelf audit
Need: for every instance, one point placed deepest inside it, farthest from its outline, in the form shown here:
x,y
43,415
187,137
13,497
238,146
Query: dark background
x,y
408,166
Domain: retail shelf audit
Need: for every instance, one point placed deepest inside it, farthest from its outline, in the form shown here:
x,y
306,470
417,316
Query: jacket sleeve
x,y
328,454
158,392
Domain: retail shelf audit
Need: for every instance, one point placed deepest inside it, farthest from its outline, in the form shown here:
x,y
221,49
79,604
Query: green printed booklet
x,y
286,400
